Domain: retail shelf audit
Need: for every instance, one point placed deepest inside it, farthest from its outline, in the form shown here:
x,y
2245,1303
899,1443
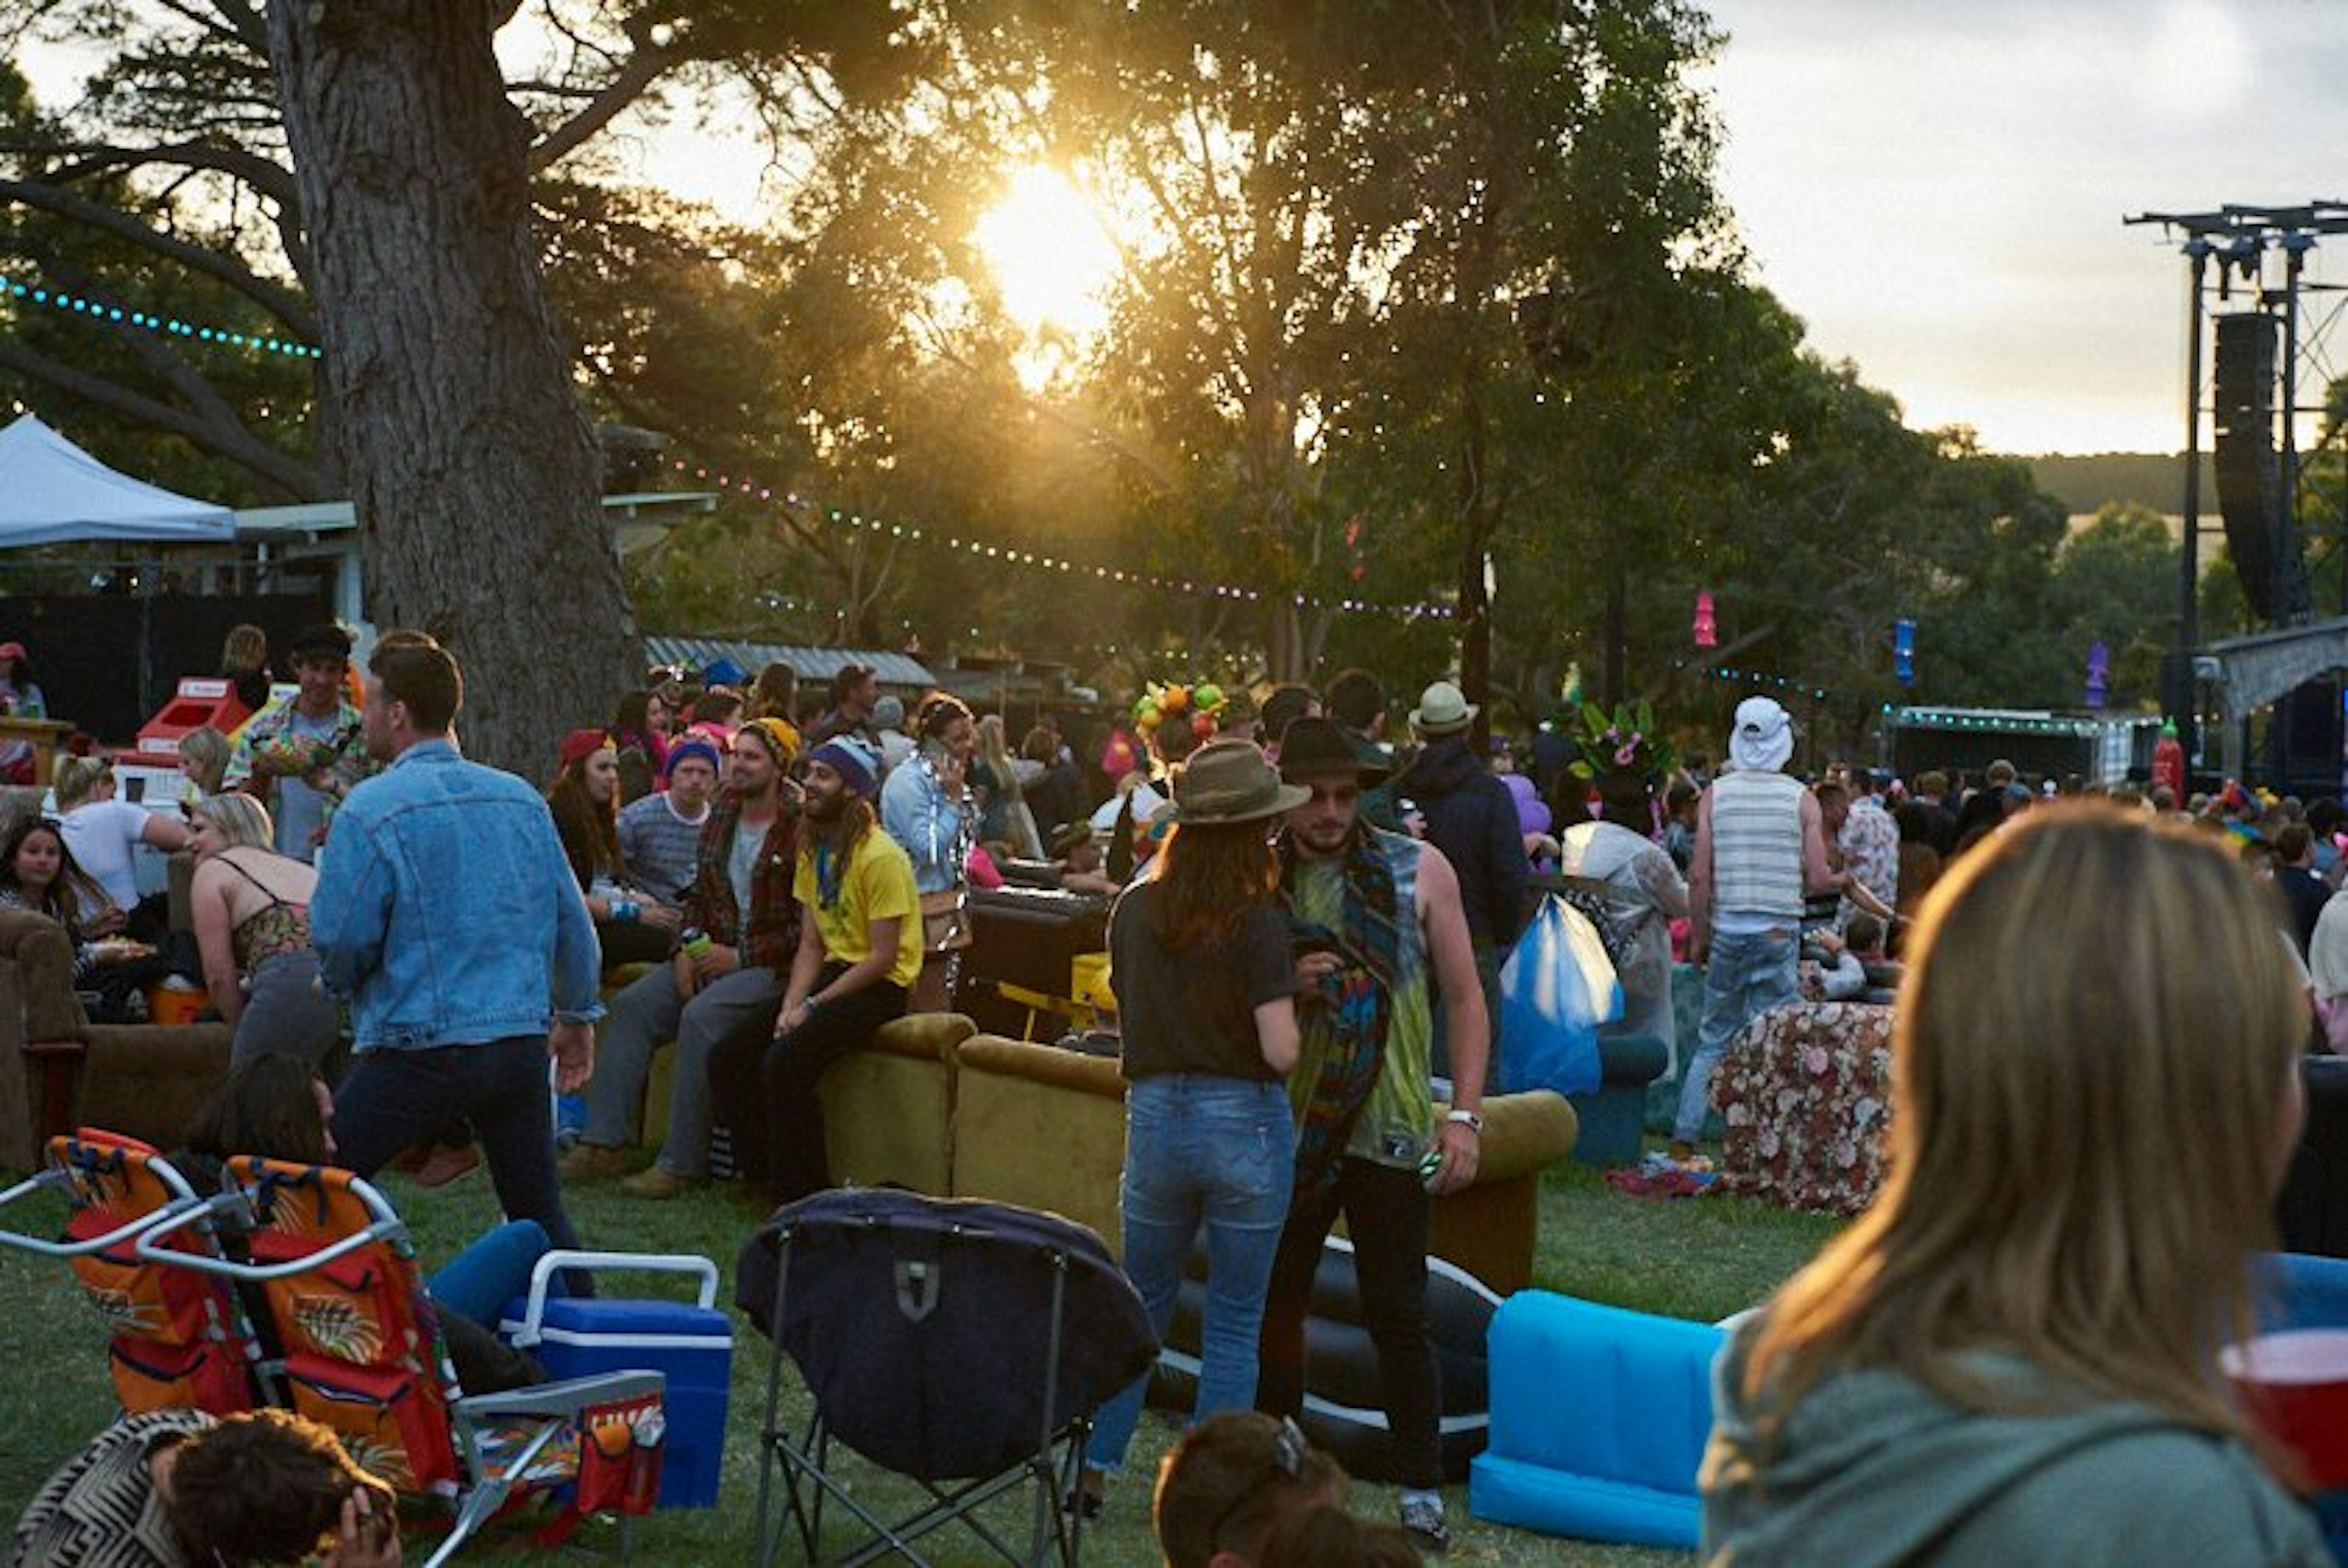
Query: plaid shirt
x,y
774,933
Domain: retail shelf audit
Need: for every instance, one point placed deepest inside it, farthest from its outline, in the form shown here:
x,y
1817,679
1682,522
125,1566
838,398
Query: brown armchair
x,y
59,1072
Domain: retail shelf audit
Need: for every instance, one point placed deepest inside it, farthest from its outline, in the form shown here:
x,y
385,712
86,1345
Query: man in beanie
x,y
860,949
1760,845
660,835
742,926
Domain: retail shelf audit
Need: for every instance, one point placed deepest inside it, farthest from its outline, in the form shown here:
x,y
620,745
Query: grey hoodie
x,y
1872,1467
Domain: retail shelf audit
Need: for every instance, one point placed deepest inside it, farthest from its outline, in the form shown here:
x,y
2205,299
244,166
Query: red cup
x,y
2294,1385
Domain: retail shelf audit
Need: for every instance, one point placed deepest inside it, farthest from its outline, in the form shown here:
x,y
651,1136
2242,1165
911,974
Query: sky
x,y
1937,189
1937,186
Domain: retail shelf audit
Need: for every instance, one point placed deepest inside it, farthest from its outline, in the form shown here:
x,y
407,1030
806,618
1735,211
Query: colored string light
x,y
1185,586
170,326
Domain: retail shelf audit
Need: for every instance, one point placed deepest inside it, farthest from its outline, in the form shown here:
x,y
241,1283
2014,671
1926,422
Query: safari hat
x,y
1443,710
1230,781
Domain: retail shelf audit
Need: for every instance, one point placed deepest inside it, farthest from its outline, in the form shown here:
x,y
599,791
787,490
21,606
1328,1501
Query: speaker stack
x,y
2250,483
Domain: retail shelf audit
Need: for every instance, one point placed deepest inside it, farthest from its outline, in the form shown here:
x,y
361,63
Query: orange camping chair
x,y
363,1356
177,1339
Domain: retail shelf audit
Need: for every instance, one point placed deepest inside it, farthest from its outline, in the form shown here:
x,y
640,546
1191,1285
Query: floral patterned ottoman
x,y
1805,1092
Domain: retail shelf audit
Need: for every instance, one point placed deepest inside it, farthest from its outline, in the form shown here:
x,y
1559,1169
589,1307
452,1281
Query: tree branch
x,y
643,68
271,180
303,481
278,300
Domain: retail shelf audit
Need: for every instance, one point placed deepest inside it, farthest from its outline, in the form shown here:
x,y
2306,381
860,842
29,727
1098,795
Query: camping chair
x,y
962,1345
364,1358
177,1340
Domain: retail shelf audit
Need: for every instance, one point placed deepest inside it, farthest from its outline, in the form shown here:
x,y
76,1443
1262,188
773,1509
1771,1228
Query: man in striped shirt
x,y
1760,844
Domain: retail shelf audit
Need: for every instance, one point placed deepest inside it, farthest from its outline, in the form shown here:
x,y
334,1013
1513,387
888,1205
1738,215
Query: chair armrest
x,y
566,1397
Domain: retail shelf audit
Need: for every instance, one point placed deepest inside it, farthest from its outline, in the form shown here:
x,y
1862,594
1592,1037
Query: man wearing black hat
x,y
304,754
1375,918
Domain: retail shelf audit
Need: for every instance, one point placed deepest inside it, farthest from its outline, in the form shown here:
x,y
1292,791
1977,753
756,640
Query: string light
x,y
33,292
1189,588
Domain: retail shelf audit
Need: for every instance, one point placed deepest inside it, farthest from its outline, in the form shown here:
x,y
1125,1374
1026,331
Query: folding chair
x,y
176,1339
363,1357
962,1345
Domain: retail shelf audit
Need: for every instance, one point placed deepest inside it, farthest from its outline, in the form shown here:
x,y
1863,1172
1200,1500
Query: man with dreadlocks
x,y
860,951
1377,922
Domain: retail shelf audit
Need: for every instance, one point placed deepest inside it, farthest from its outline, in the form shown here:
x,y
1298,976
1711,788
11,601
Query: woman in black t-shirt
x,y
1206,997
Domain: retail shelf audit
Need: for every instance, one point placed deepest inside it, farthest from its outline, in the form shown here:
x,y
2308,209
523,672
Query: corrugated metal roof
x,y
812,663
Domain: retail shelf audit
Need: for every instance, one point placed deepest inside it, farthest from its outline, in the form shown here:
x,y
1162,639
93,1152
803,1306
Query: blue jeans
x,y
1201,1148
395,1098
492,1271
1743,977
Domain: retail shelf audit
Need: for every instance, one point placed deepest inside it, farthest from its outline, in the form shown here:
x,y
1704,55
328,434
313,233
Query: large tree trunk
x,y
471,466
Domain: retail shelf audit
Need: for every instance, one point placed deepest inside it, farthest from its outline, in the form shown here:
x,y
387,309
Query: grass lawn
x,y
1700,1258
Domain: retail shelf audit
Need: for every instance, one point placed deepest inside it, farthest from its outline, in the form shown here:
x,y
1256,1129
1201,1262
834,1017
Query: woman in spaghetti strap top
x,y
251,916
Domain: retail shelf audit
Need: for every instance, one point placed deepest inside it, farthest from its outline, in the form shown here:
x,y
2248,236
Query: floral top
x,y
1870,845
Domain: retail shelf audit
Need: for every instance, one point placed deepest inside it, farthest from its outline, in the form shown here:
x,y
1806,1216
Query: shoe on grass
x,y
658,1184
586,1161
446,1163
1422,1520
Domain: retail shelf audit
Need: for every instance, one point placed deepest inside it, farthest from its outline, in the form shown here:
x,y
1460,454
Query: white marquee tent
x,y
54,493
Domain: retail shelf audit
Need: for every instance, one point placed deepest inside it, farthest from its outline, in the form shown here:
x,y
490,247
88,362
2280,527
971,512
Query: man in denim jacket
x,y
445,912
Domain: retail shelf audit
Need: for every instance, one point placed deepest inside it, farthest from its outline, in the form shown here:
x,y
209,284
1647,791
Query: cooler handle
x,y
633,1262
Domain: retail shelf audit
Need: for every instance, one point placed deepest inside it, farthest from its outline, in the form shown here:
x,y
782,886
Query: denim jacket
x,y
935,832
446,911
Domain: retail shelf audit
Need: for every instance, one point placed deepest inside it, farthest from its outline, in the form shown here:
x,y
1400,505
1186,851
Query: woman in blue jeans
x,y
1206,992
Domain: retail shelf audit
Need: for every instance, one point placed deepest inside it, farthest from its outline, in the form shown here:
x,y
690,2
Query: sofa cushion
x,y
1040,1126
887,1109
149,1081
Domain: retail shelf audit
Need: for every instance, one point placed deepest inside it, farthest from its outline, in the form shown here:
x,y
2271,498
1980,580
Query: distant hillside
x,y
2155,478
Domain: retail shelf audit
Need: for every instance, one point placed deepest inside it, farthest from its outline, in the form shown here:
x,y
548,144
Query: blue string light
x,y
170,326
1186,586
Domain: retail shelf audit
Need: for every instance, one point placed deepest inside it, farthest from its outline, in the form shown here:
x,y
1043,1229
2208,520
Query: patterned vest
x,y
1756,844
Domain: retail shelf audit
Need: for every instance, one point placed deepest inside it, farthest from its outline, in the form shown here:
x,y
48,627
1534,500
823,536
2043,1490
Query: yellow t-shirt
x,y
878,885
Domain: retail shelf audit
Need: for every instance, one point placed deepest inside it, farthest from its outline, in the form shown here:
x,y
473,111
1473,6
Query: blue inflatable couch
x,y
1600,1418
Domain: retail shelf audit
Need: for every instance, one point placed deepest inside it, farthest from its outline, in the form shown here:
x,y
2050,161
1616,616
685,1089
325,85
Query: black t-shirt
x,y
1194,1011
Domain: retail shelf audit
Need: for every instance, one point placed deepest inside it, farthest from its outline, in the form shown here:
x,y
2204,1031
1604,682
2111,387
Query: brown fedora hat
x,y
1230,781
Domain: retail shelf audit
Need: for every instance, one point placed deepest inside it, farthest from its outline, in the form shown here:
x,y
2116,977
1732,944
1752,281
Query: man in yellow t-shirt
x,y
859,950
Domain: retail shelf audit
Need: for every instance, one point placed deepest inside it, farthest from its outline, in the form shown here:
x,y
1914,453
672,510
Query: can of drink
x,y
1430,1165
644,1464
694,942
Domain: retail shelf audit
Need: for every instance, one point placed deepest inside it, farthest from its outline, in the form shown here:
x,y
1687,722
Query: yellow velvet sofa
x,y
935,1106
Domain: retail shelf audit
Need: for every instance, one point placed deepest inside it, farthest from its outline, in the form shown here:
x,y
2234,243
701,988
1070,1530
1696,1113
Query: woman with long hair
x,y
928,807
2013,1356
105,834
1003,780
37,873
1207,990
251,909
642,744
633,926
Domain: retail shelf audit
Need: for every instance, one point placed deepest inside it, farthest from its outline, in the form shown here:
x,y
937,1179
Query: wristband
x,y
1468,1119
626,910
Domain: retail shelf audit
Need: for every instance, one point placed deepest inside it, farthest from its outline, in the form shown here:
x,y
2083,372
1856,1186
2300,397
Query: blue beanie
x,y
854,760
700,746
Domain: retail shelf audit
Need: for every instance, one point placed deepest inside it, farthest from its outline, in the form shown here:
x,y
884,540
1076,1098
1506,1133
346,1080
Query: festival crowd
x,y
1314,896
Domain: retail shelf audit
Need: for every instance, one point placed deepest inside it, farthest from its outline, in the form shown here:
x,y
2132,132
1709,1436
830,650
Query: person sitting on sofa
x,y
742,929
38,873
860,951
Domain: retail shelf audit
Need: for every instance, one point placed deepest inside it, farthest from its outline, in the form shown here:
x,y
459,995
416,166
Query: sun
x,y
1050,252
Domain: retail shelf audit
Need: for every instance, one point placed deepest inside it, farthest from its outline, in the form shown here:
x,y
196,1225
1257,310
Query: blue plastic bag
x,y
1555,989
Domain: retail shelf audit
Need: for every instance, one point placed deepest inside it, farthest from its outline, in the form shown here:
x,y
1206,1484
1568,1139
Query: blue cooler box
x,y
691,1346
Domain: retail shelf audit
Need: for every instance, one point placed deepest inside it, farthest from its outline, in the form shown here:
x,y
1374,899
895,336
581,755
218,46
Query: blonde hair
x,y
209,750
245,648
2093,1072
242,820
77,778
995,746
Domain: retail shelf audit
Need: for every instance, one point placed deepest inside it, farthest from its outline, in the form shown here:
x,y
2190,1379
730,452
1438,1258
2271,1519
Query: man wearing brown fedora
x,y
1377,922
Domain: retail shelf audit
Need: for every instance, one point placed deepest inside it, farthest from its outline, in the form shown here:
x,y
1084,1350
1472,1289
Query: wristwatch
x,y
1469,1120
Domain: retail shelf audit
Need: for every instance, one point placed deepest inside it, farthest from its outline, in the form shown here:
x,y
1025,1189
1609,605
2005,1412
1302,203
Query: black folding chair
x,y
962,1345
